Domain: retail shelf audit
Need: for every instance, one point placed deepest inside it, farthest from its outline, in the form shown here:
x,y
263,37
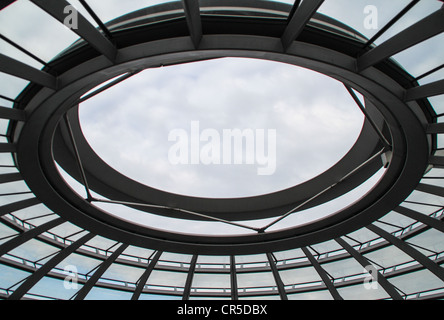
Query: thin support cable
x,y
288,213
78,159
383,139
175,209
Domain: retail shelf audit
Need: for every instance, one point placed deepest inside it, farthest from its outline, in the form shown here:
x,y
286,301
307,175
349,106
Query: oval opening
x,y
222,128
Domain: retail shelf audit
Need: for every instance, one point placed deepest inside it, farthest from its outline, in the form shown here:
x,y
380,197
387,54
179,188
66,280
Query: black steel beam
x,y
412,252
387,286
28,235
48,266
424,91
233,279
324,276
12,114
22,204
192,15
189,281
10,177
427,220
83,292
143,279
437,161
433,128
84,28
420,31
298,21
428,188
22,70
277,277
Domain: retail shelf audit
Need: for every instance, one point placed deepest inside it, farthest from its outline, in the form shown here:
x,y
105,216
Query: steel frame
x,y
39,120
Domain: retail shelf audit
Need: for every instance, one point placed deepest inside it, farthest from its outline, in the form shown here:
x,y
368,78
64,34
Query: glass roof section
x,y
383,52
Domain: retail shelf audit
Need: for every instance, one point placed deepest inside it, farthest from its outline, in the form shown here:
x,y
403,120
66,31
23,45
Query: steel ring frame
x,y
410,153
38,142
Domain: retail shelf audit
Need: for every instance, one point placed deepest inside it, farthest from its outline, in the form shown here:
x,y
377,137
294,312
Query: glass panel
x,y
49,287
415,282
34,250
307,276
33,212
111,9
359,292
418,12
100,245
8,198
365,17
396,219
80,263
6,233
255,280
45,39
343,268
11,86
97,293
10,276
388,257
438,105
148,296
431,52
432,240
122,274
173,280
315,295
211,281
13,52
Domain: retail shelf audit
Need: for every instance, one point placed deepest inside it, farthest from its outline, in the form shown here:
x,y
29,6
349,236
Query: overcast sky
x,y
315,119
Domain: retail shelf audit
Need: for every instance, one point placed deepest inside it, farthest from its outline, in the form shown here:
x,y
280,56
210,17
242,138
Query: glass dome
x,y
367,226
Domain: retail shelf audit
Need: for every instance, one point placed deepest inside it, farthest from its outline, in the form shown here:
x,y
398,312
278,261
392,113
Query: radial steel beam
x,y
192,15
428,188
437,161
427,220
12,114
324,276
189,281
412,252
84,28
22,204
277,277
22,70
48,266
28,235
424,91
388,287
10,177
435,128
8,147
233,279
420,31
83,292
143,279
298,21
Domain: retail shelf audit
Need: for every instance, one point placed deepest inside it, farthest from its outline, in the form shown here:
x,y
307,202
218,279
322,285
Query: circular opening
x,y
223,128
